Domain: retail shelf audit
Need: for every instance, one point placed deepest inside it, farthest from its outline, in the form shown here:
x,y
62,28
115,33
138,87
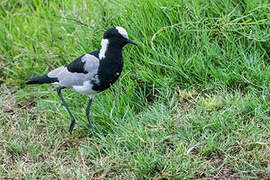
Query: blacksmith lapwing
x,y
91,73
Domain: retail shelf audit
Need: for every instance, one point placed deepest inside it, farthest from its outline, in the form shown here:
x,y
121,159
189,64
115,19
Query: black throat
x,y
110,68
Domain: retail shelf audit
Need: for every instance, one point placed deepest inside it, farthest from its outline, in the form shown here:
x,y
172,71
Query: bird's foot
x,y
90,123
72,124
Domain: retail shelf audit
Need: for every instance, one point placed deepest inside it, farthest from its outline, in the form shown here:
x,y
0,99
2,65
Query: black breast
x,y
108,72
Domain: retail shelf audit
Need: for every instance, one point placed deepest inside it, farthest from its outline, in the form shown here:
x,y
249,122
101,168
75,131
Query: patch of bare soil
x,y
187,99
7,98
8,102
9,105
225,172
28,104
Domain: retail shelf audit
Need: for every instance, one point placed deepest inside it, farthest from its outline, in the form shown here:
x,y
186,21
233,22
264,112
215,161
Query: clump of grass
x,y
191,103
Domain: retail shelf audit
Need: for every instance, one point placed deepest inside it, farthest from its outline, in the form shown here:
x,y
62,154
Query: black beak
x,y
131,42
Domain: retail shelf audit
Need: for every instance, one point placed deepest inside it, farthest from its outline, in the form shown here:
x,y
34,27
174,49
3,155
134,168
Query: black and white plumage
x,y
91,73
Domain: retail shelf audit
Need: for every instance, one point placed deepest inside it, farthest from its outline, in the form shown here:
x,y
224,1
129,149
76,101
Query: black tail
x,y
42,79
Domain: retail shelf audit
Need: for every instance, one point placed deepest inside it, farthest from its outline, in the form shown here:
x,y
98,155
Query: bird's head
x,y
118,37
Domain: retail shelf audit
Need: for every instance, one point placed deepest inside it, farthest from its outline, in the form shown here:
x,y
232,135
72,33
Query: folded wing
x,y
77,72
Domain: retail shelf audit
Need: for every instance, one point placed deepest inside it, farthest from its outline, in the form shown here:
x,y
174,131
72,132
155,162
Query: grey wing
x,y
86,66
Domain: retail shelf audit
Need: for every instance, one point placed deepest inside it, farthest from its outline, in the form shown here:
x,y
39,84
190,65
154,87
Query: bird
x,y
92,72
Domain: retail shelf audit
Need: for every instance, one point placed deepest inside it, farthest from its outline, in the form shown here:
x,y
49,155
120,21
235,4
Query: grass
x,y
192,102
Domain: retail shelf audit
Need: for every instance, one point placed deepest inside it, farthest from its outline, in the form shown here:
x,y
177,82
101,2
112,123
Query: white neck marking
x,y
104,46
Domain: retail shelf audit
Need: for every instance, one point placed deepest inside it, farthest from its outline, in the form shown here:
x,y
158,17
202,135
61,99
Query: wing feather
x,y
77,72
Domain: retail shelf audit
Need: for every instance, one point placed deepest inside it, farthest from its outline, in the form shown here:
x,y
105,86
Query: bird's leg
x,y
87,111
72,124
